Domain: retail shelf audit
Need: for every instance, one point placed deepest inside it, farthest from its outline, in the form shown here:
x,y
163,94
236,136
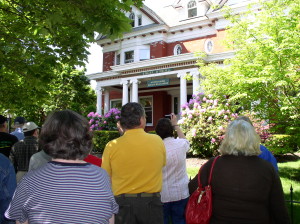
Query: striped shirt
x,y
175,178
64,193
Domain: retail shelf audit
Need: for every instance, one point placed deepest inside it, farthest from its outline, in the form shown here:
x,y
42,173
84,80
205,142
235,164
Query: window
x,y
129,57
139,20
208,46
146,102
144,54
177,49
132,17
116,104
118,59
192,8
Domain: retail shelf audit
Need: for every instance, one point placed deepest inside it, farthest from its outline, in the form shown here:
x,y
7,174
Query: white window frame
x,y
132,18
139,19
191,6
141,97
116,61
175,51
114,100
206,46
143,59
128,60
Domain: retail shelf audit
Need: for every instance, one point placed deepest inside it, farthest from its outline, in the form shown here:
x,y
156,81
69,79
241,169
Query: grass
x,y
289,173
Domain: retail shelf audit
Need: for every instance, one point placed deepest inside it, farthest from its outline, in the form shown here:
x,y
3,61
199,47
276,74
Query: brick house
x,y
149,64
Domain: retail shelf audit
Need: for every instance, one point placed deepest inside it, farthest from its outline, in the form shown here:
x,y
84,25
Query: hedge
x,y
101,138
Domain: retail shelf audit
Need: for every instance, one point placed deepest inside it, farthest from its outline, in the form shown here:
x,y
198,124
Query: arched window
x,y
177,49
132,17
192,8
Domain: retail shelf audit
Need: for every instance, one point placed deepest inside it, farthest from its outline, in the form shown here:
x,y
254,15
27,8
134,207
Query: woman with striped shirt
x,y
66,189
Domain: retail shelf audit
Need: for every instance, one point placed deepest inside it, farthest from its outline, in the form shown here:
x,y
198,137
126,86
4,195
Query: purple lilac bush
x,y
204,120
107,121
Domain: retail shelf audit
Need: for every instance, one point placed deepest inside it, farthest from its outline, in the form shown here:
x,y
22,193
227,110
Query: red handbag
x,y
199,206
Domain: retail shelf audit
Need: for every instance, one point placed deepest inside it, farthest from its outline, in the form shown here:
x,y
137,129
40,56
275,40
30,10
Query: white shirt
x,y
175,178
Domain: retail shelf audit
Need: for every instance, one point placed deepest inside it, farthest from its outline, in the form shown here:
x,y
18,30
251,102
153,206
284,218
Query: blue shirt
x,y
268,156
7,184
18,133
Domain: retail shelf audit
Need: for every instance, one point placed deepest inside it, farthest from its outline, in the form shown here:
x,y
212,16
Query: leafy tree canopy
x,y
264,75
69,89
37,37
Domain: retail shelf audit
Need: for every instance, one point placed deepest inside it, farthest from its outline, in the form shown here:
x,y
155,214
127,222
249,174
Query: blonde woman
x,y
246,188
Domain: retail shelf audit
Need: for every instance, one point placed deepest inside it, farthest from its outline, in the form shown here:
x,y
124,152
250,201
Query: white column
x,y
130,92
135,90
99,91
125,91
106,101
196,82
183,90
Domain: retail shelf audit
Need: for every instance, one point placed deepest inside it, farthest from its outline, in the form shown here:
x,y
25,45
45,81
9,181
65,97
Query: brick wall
x,y
158,49
108,60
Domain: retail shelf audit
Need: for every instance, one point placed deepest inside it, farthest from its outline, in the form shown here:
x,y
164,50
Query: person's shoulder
x,y
4,161
9,136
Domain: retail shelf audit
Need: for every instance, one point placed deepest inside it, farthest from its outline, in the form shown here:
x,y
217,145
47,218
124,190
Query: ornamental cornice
x,y
158,64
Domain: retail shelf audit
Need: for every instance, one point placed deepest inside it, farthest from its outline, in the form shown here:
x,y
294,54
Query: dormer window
x,y
132,18
192,8
139,20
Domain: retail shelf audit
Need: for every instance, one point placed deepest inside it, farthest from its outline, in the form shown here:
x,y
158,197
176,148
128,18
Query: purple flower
x,y
213,140
204,99
210,118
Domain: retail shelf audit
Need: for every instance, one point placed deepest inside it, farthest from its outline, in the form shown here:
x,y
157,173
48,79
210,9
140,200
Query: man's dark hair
x,y
66,135
29,133
131,114
164,128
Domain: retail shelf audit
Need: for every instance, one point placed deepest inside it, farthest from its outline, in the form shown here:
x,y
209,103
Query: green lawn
x,y
289,173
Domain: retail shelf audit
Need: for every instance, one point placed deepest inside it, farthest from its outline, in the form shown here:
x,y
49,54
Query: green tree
x,y
69,89
264,75
36,37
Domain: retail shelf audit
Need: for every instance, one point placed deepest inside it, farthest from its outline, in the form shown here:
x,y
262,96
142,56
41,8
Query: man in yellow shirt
x,y
134,162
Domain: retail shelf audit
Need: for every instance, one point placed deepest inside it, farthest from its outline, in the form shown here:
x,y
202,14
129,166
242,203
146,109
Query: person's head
x,y
240,139
19,122
30,129
66,135
164,128
244,118
132,116
3,121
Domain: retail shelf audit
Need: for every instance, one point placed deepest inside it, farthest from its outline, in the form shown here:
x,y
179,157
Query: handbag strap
x,y
210,173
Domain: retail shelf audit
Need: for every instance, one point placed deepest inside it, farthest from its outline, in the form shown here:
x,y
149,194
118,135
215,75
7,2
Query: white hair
x,y
240,139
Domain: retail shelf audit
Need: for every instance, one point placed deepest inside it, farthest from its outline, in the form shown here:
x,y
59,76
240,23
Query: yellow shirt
x,y
134,162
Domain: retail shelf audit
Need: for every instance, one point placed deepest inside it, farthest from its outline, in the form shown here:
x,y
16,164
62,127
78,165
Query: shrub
x,y
106,122
204,121
282,144
101,138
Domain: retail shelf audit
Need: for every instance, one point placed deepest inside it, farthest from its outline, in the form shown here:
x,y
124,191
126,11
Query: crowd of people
x,y
49,176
